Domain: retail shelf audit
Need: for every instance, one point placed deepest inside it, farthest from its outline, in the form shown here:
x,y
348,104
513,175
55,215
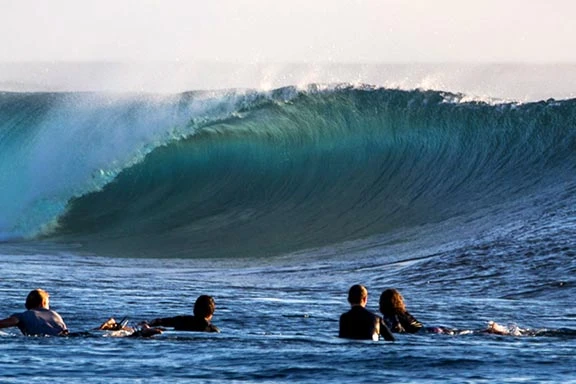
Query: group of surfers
x,y
40,320
358,323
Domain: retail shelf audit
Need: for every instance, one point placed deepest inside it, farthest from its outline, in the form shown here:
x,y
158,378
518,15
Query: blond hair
x,y
36,298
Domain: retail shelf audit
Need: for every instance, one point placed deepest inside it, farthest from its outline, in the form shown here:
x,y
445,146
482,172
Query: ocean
x,y
275,202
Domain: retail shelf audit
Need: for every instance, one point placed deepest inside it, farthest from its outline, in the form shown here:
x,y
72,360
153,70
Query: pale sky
x,y
252,31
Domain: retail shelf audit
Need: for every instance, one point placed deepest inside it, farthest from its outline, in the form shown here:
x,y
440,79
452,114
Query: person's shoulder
x,y
46,312
410,323
373,315
24,316
408,315
53,312
350,314
367,312
346,314
56,313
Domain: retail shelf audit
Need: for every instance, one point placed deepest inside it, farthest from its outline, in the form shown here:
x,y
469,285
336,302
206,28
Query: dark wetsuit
x,y
41,321
361,324
186,323
403,322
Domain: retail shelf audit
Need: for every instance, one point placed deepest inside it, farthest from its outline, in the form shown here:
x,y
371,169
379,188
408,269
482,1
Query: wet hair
x,y
204,306
391,301
357,293
36,298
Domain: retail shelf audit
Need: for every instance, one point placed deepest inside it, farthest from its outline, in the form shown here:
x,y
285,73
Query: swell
x,y
320,167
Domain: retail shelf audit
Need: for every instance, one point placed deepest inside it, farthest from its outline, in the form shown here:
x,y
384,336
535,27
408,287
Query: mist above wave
x,y
509,81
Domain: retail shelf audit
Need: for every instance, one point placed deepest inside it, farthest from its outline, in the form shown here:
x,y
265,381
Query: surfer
x,y
394,313
359,323
38,319
204,308
399,320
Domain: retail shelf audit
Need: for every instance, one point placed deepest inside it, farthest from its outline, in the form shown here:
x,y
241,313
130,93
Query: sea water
x,y
275,203
279,319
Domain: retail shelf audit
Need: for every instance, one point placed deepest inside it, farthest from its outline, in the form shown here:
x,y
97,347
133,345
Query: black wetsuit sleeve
x,y
165,322
409,323
385,332
341,327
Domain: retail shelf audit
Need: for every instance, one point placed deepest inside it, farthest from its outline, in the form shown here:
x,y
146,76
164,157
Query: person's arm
x,y
385,332
65,330
376,329
163,322
11,321
146,331
341,327
409,323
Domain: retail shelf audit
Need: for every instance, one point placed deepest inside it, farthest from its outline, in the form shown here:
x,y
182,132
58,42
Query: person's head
x,y
204,307
391,301
358,295
37,298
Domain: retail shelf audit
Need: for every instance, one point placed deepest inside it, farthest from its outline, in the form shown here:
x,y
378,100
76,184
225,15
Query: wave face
x,y
245,173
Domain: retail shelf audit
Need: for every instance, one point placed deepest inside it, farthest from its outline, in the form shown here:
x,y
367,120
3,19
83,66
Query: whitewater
x,y
275,201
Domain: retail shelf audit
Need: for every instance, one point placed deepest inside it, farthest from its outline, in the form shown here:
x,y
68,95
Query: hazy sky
x,y
251,31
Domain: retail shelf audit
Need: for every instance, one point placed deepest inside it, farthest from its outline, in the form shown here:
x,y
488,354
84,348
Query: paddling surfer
x,y
38,319
201,321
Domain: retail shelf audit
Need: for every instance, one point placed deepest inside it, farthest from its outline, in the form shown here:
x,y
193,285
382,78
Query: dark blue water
x,y
275,204
279,317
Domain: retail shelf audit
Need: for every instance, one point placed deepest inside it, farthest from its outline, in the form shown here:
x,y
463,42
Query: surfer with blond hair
x,y
38,319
